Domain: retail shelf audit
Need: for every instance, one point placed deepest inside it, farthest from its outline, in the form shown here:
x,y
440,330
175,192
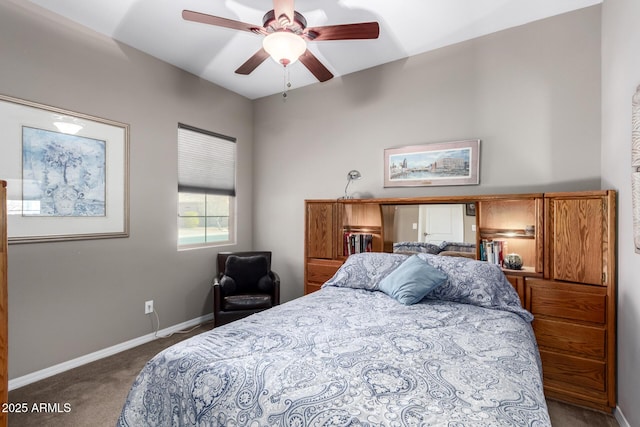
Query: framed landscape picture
x,y
435,164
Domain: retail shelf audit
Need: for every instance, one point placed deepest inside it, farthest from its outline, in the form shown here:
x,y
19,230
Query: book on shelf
x,y
355,243
493,251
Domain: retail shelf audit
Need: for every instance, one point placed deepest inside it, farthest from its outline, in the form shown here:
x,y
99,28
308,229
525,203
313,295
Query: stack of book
x,y
355,243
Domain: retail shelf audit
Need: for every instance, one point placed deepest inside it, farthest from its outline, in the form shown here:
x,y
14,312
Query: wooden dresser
x,y
4,332
567,244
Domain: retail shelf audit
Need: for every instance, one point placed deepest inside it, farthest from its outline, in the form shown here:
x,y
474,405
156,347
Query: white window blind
x,y
206,162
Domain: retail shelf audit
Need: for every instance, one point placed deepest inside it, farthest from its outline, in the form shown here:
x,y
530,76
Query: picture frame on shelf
x,y
470,209
67,173
434,164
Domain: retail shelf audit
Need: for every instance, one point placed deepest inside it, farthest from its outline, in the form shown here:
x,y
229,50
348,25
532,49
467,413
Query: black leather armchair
x,y
244,285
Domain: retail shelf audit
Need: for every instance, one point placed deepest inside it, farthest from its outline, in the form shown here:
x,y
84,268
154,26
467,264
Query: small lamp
x,y
351,176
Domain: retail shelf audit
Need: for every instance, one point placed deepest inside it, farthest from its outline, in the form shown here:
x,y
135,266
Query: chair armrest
x,y
275,277
275,294
217,296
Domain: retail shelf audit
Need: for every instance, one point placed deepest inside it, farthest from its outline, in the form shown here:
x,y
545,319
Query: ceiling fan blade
x,y
364,30
253,62
203,18
283,8
315,66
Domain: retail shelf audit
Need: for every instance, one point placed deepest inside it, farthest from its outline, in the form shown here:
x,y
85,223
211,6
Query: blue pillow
x,y
412,281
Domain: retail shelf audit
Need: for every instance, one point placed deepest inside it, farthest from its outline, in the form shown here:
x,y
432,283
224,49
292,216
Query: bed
x,y
356,354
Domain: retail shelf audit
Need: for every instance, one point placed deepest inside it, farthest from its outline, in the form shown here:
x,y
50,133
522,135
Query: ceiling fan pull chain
x,y
286,83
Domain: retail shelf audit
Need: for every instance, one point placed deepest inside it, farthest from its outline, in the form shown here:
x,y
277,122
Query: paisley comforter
x,y
350,355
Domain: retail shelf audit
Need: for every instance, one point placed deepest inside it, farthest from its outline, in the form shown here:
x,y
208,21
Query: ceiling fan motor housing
x,y
271,24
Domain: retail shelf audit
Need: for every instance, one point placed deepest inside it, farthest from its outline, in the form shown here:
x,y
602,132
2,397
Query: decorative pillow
x,y
412,280
470,255
475,282
458,246
365,270
421,247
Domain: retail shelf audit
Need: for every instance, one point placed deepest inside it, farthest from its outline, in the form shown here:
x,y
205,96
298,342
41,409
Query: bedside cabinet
x,y
575,306
318,272
571,328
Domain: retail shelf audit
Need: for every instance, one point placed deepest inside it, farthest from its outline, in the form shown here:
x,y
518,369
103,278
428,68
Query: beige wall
x,y
73,298
531,94
403,220
620,78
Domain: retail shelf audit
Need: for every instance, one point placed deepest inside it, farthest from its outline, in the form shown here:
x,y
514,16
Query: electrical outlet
x,y
148,307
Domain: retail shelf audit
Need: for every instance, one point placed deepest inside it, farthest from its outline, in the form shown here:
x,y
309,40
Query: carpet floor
x,y
92,395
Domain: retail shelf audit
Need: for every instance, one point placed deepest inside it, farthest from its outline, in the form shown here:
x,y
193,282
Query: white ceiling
x,y
407,27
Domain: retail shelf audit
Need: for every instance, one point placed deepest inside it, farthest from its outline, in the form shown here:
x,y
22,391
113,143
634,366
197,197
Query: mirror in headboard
x,y
416,227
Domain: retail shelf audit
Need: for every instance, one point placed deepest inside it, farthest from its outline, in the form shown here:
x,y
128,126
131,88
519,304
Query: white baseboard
x,y
100,354
622,421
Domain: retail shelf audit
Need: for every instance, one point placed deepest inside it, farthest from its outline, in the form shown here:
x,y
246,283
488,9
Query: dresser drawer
x,y
567,301
319,270
572,372
588,341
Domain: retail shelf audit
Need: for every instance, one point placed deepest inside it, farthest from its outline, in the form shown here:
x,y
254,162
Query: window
x,y
206,187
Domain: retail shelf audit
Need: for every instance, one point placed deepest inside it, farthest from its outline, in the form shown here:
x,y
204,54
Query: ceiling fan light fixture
x,y
284,46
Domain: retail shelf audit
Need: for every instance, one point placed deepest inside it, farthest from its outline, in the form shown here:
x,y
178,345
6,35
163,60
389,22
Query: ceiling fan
x,y
286,34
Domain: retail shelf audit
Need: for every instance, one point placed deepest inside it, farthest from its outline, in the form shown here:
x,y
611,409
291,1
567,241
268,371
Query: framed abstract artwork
x,y
435,164
67,173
